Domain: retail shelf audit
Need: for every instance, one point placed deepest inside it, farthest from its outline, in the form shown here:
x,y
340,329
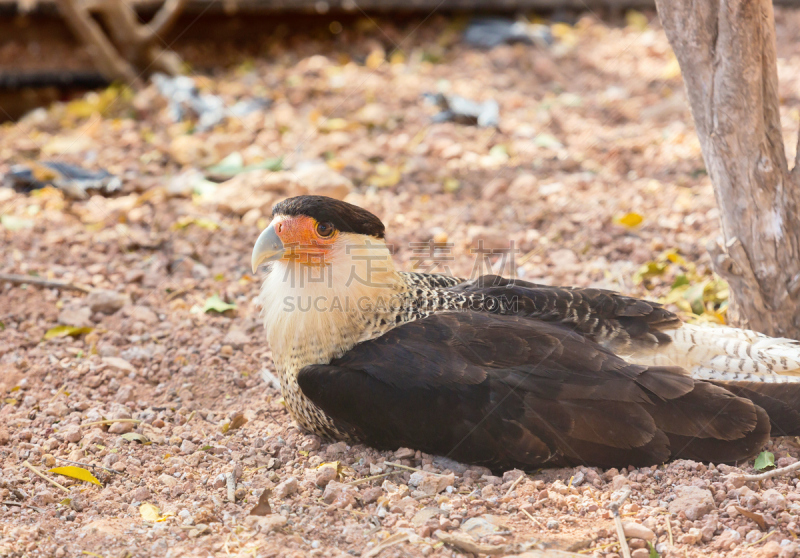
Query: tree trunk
x,y
727,54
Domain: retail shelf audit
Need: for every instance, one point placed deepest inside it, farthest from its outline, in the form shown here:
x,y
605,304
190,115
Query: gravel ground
x,y
593,128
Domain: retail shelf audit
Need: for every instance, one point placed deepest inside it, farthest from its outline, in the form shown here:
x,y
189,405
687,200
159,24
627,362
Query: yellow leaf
x,y
149,512
10,401
630,220
64,330
76,473
637,20
672,69
385,176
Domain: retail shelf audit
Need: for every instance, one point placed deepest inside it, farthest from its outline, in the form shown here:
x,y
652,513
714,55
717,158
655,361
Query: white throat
x,y
314,313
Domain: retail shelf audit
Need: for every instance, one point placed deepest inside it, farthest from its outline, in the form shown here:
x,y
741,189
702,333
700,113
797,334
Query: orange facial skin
x,y
302,240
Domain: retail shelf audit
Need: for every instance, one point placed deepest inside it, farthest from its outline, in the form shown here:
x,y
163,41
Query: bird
x,y
500,372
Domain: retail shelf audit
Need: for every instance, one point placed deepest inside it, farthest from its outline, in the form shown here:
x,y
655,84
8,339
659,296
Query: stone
x,y
693,501
43,498
269,523
121,427
106,301
433,484
371,494
641,553
637,531
552,524
404,453
325,475
772,549
167,480
694,536
236,338
188,446
339,495
143,314
286,488
774,500
75,314
119,364
141,494
192,151
487,238
72,434
321,180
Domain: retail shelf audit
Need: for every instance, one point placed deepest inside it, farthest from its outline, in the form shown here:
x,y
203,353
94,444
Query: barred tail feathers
x,y
727,354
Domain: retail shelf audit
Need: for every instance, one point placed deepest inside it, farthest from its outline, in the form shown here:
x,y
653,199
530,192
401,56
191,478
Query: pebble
x,y
775,500
121,427
552,524
167,480
694,536
286,488
72,434
141,494
404,453
106,301
188,446
693,501
48,460
637,531
118,364
325,475
640,553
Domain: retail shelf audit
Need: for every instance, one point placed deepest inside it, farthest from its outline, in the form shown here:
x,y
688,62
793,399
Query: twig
x,y
769,474
48,479
669,531
406,467
514,485
230,480
762,539
111,421
88,465
41,282
21,505
601,547
367,479
397,538
536,521
614,507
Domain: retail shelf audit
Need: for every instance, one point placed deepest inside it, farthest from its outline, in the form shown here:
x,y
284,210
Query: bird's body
x,y
502,373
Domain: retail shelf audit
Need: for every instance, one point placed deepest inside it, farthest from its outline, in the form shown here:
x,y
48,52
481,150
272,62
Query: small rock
x,y
75,314
269,523
321,180
772,549
694,536
637,531
57,409
119,466
325,475
167,480
4,437
775,500
552,524
121,427
141,494
188,446
693,501
338,494
72,434
512,475
640,553
371,494
124,394
286,488
523,186
43,498
118,364
48,460
106,301
143,314
404,453
236,338
433,484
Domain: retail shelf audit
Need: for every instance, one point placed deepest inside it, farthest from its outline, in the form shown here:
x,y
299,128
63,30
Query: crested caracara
x,y
503,373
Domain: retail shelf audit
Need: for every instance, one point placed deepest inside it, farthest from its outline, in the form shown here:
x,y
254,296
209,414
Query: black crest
x,y
346,217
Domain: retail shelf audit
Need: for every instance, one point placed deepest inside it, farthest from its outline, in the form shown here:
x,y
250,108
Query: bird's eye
x,y
324,229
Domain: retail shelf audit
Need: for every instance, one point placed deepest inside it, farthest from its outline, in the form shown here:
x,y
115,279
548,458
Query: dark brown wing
x,y
609,318
506,391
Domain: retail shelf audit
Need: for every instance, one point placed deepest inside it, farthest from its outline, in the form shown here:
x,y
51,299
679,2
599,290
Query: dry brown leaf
x,y
262,508
757,517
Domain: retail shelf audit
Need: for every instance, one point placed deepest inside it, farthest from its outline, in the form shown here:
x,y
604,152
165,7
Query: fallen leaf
x,y
216,304
76,473
385,176
149,512
14,223
764,460
757,517
237,421
64,330
630,220
262,508
135,437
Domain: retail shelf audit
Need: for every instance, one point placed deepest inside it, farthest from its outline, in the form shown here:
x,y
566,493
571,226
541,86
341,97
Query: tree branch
x,y
165,18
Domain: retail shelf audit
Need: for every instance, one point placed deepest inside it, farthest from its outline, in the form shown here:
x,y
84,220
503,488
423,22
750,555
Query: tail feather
x,y
780,401
727,354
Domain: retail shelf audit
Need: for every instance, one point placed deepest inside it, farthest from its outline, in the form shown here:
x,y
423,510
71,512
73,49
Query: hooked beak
x,y
268,247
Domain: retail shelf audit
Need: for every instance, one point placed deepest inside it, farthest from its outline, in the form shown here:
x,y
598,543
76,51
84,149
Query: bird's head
x,y
316,231
331,269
